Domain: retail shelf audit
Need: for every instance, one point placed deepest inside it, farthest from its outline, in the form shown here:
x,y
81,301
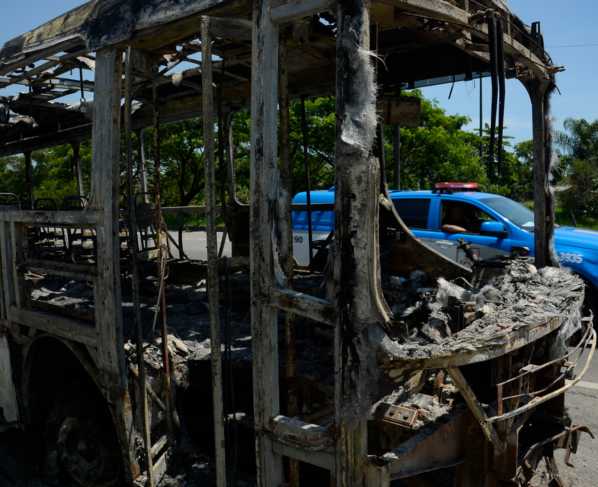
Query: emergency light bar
x,y
455,187
472,186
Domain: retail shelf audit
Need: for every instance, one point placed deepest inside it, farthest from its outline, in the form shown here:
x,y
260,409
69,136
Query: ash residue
x,y
201,472
519,298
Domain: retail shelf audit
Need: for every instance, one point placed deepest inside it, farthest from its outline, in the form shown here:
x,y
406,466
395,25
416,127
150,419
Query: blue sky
x,y
562,23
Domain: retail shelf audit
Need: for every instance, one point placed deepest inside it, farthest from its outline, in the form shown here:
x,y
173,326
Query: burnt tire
x,y
81,440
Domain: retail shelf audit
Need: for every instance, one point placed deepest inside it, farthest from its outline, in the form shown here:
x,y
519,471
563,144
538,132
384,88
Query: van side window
x,y
467,217
413,212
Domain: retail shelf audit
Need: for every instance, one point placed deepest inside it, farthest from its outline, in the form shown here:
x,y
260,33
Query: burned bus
x,y
382,360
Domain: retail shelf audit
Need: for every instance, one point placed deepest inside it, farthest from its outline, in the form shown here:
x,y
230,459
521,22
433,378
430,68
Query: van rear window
x,y
414,211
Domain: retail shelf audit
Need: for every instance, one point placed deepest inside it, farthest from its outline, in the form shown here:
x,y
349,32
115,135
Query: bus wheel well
x,y
50,367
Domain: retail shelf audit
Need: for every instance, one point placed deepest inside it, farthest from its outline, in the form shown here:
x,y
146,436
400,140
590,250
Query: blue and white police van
x,y
496,225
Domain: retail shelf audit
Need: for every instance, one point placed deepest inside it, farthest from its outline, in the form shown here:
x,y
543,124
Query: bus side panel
x,y
8,397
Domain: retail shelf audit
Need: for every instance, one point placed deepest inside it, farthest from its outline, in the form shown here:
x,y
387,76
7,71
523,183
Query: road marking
x,y
583,383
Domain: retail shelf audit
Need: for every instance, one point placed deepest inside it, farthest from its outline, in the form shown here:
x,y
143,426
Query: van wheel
x,y
80,438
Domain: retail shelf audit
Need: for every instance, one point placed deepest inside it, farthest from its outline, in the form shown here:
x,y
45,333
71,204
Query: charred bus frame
x,y
272,52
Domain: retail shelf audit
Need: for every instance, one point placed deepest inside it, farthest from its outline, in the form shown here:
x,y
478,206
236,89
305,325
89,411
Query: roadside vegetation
x,y
440,149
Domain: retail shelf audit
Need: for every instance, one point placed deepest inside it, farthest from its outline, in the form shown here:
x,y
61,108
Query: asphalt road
x,y
195,245
581,402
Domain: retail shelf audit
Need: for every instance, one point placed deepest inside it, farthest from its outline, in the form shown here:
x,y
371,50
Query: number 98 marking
x,y
573,258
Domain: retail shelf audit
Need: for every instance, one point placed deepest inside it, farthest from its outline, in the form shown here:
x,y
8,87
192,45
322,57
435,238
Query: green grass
x,y
563,217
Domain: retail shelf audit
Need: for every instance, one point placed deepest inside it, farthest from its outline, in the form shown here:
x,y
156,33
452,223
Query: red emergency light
x,y
455,186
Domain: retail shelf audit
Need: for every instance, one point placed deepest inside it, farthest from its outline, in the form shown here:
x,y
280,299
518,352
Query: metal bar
x,y
181,221
221,163
135,270
397,158
540,367
212,243
477,409
356,253
149,390
500,50
78,173
161,254
286,238
295,10
481,119
263,169
142,168
29,179
302,304
230,159
397,147
222,242
107,288
539,400
493,70
90,218
307,183
542,258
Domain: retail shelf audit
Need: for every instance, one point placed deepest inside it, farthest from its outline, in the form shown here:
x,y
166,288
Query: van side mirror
x,y
495,229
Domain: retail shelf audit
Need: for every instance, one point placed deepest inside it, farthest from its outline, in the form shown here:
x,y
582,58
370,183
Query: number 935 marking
x,y
574,258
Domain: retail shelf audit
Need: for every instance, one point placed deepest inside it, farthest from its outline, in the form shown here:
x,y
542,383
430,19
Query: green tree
x,y
181,161
320,141
523,187
438,150
578,151
53,173
578,141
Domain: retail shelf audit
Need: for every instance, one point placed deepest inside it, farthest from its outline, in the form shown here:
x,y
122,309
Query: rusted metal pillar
x,y
541,182
481,118
29,178
78,172
212,246
145,432
107,292
286,237
142,166
358,300
229,152
264,195
307,185
162,254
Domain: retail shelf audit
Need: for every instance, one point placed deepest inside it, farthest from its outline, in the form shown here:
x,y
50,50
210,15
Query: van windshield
x,y
515,212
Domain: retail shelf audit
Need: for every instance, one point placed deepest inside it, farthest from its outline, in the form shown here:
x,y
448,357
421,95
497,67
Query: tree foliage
x,y
578,151
440,149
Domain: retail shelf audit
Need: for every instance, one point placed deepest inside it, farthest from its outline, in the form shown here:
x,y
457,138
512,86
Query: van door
x,y
8,397
469,219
